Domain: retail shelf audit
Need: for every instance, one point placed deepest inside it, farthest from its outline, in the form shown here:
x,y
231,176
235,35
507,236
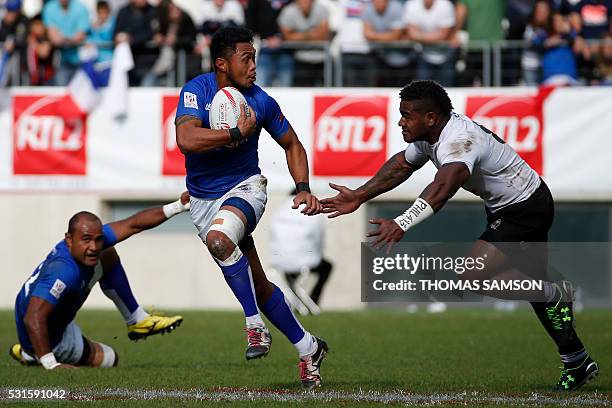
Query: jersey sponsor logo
x,y
173,161
517,120
57,289
190,100
49,137
350,135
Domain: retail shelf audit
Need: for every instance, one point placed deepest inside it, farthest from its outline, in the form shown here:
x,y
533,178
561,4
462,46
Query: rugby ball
x,y
225,108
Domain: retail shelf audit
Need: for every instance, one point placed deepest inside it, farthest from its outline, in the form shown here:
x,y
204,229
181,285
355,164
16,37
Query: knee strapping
x,y
103,356
229,224
231,260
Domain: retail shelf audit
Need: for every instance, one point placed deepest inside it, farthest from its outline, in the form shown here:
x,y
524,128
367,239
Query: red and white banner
x,y
350,135
347,133
47,139
173,161
517,119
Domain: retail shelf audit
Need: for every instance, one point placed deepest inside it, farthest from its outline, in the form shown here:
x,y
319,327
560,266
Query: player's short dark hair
x,y
102,4
223,43
432,94
74,220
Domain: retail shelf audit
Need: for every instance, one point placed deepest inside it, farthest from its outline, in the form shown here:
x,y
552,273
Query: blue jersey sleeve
x,y
190,102
58,278
110,239
274,121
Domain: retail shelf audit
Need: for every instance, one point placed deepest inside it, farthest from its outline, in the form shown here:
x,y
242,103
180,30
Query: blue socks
x,y
237,274
281,316
115,285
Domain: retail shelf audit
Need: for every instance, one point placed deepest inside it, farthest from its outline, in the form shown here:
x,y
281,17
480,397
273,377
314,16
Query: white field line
x,y
387,397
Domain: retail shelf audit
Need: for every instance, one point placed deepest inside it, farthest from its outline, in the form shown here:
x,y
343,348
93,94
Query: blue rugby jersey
x,y
213,173
61,281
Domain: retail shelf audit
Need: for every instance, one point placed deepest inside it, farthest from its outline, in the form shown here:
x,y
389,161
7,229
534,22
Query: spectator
x,y
358,68
220,13
39,53
297,244
603,68
306,21
13,26
67,22
431,23
216,14
274,64
591,19
383,22
517,16
531,59
560,45
562,6
137,23
483,19
176,32
101,31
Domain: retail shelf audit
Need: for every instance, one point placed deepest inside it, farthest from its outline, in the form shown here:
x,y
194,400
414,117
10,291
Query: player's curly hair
x,y
431,93
223,43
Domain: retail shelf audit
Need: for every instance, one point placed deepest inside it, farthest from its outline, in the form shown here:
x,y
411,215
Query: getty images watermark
x,y
416,272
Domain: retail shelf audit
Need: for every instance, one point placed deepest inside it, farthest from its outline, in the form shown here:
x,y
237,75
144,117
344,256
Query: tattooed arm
x,y
394,172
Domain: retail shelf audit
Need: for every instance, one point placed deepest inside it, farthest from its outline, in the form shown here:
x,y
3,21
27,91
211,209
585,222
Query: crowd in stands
x,y
379,42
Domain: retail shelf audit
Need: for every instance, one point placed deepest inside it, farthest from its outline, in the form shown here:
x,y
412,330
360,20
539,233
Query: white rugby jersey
x,y
498,174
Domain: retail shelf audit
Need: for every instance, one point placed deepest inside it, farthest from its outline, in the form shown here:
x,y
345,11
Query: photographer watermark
x,y
457,272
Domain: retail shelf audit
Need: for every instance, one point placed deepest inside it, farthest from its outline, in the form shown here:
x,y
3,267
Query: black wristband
x,y
302,186
235,134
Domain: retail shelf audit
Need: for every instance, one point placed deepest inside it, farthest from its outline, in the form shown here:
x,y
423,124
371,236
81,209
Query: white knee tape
x,y
109,356
231,225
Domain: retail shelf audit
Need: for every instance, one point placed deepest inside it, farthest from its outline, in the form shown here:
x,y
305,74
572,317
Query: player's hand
x,y
185,198
345,202
388,233
313,205
247,122
68,366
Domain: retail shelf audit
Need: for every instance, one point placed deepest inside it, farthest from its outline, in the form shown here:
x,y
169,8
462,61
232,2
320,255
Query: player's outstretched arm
x,y
149,218
191,137
35,321
297,161
394,172
448,180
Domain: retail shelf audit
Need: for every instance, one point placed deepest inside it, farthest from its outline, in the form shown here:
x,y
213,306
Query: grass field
x,y
461,357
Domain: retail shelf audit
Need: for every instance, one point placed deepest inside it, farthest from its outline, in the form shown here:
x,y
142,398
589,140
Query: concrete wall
x,y
166,270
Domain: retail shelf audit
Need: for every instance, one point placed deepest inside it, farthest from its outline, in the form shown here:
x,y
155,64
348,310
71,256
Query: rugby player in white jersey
x,y
518,204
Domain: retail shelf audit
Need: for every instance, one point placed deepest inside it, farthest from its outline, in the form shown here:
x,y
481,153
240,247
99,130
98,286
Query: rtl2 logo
x,y
350,135
517,120
49,136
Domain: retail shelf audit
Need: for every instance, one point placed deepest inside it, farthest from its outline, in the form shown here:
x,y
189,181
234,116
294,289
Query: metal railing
x,y
492,63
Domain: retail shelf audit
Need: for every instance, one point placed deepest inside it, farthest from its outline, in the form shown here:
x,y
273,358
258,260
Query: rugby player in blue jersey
x,y
49,300
228,191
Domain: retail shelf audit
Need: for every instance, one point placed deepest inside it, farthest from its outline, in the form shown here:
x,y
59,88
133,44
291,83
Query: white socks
x,y
254,320
138,315
307,346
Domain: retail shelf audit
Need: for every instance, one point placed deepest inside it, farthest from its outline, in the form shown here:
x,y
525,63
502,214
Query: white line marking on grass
x,y
399,396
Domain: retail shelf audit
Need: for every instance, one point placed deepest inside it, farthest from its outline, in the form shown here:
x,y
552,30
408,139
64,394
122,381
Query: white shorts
x,y
70,348
250,197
